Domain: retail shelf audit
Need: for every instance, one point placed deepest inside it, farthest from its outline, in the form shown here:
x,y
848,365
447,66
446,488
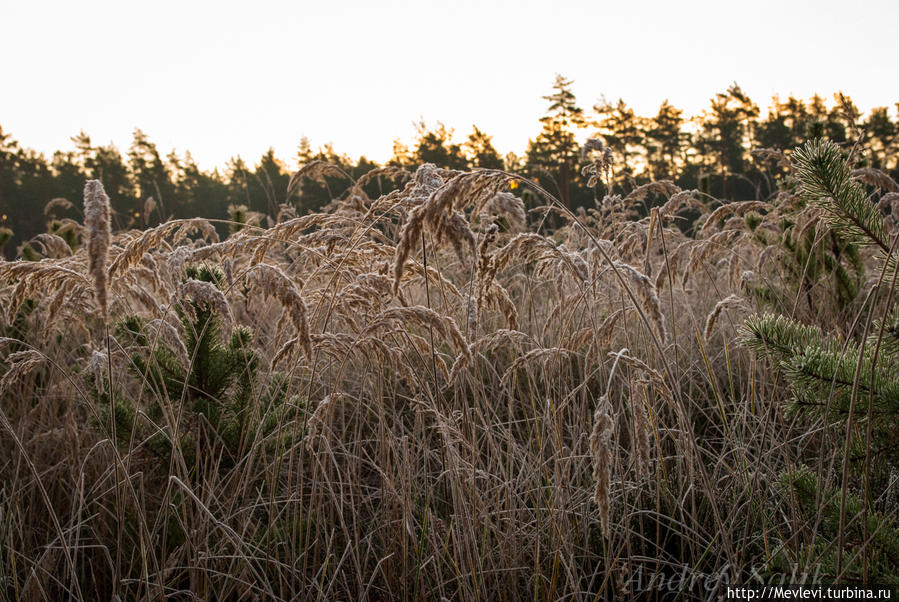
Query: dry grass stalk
x,y
453,442
319,421
52,245
314,170
735,265
772,154
765,256
726,303
467,189
20,364
458,231
97,366
148,240
501,336
499,298
149,207
455,228
228,269
646,292
702,250
56,301
369,293
34,276
808,219
667,211
601,452
634,240
604,332
65,225
161,330
642,429
529,245
638,364
747,278
444,325
285,352
601,163
597,337
205,293
441,209
58,202
418,272
149,301
505,203
654,223
738,208
486,267
271,280
580,339
177,261
877,178
426,179
409,237
446,424
670,266
889,203
390,172
195,225
543,355
592,145
96,220
664,187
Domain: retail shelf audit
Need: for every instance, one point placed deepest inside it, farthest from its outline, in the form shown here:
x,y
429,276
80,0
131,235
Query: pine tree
x,y
480,150
152,176
727,133
623,132
883,137
665,143
310,195
853,382
214,377
878,534
435,145
552,158
822,368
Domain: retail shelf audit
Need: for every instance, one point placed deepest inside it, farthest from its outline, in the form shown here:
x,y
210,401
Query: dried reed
x,y
96,220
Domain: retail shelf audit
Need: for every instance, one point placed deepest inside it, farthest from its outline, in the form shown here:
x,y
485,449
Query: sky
x,y
222,78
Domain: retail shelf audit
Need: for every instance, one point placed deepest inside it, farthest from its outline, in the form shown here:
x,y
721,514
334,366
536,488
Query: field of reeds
x,y
456,390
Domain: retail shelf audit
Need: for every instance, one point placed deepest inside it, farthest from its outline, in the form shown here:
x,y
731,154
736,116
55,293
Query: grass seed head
x,y
601,453
96,220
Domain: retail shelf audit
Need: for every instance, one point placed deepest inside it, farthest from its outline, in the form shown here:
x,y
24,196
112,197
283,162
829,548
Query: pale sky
x,y
226,78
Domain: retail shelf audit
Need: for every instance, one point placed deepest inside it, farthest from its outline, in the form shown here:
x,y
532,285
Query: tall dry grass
x,y
472,408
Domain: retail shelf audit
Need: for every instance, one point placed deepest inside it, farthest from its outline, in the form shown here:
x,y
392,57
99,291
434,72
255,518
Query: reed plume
x,y
96,220
601,452
271,280
641,429
726,303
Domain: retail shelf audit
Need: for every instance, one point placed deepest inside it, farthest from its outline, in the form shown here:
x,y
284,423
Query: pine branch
x,y
817,370
778,335
816,364
889,345
826,182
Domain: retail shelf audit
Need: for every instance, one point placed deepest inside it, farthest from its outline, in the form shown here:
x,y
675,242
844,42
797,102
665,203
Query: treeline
x,y
712,152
